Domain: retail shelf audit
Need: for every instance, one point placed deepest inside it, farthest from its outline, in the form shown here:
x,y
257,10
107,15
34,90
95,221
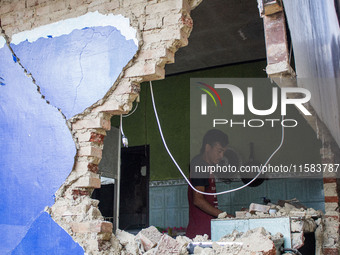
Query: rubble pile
x,y
150,241
255,242
272,210
303,220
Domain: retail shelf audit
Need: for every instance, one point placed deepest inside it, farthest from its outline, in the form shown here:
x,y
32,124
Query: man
x,y
203,208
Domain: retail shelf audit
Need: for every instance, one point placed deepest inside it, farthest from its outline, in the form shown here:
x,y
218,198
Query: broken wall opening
x,y
162,192
73,210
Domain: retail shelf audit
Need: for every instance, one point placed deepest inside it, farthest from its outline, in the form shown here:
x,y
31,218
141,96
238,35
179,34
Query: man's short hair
x,y
214,136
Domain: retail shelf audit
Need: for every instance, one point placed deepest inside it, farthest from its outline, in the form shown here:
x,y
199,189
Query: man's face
x,y
214,153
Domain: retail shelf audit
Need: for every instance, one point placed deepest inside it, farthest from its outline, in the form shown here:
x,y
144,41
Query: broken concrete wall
x,y
161,28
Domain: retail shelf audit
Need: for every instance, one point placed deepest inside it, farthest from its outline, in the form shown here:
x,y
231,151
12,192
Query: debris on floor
x,y
258,241
150,241
303,219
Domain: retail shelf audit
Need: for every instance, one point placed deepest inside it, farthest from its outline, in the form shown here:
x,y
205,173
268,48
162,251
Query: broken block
x,y
296,225
149,237
146,242
241,214
259,208
168,245
297,240
152,233
128,241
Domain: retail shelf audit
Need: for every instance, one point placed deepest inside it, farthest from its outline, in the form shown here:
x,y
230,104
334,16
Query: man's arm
x,y
202,203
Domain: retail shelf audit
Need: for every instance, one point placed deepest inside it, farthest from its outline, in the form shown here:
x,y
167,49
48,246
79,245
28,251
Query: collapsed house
x,y
68,67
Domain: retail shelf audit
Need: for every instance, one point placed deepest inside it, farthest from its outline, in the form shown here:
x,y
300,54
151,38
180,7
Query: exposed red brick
x,y
331,199
332,216
331,251
77,192
93,168
329,180
97,138
187,20
275,38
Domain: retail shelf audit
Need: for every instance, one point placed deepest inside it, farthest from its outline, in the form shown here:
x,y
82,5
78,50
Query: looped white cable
x,y
184,176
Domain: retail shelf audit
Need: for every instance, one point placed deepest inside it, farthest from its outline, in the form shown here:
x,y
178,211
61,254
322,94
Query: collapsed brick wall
x,y
280,71
330,155
162,27
328,234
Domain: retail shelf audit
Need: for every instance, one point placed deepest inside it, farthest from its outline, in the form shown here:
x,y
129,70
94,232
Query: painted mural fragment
x,y
74,62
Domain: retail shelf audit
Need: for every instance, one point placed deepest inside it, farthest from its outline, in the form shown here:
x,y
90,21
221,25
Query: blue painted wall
x,y
36,147
76,70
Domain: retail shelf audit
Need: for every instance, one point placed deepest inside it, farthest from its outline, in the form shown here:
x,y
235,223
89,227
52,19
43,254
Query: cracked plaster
x,y
156,50
33,125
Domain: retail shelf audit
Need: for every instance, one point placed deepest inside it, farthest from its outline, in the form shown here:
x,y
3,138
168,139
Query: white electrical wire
x,y
180,170
129,114
121,125
124,138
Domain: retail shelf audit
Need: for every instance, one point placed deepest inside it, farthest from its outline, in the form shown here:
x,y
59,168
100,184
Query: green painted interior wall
x,y
172,97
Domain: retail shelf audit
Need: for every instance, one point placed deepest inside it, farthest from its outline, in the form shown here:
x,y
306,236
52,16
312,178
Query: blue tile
x,y
172,218
276,189
315,190
183,196
296,188
225,198
156,198
184,217
256,194
239,196
225,208
157,218
172,196
315,205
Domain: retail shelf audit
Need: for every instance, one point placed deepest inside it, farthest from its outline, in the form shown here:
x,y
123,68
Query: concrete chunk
x,y
128,242
168,245
259,208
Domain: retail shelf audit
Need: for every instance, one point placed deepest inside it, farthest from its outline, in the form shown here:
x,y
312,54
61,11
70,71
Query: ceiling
x,y
224,32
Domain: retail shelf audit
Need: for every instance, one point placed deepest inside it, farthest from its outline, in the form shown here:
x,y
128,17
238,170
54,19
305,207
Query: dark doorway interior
x,y
134,190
